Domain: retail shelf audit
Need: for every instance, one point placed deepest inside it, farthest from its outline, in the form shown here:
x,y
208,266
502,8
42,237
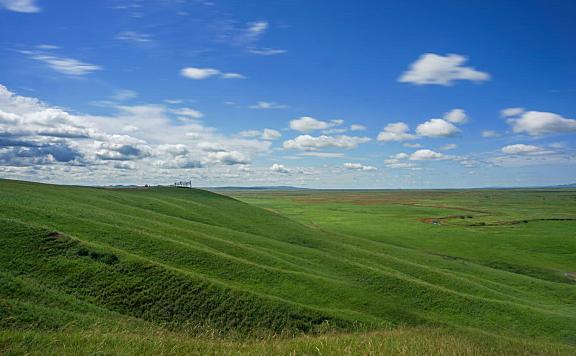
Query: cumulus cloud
x,y
311,143
456,116
359,167
307,124
121,148
204,73
425,155
432,68
266,134
397,132
510,112
279,168
539,123
398,161
271,134
522,149
199,73
228,158
34,134
264,105
25,6
437,128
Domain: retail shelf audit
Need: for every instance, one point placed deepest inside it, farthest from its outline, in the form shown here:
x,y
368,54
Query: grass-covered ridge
x,y
77,258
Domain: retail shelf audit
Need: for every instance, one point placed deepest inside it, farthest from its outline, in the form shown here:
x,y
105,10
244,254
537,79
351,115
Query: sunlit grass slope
x,y
78,259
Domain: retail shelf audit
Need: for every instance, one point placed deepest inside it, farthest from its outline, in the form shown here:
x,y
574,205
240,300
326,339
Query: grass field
x,y
180,271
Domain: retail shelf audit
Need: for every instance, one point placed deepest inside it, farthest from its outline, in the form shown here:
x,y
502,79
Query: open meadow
x,y
184,271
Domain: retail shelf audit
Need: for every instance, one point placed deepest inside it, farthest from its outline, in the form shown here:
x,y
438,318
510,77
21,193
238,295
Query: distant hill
x,y
280,187
562,186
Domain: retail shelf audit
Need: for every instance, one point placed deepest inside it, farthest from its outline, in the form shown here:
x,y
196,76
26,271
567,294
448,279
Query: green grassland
x,y
184,271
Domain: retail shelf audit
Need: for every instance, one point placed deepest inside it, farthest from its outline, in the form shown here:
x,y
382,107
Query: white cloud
x,y
411,145
124,165
510,112
247,36
311,143
279,168
489,134
397,161
188,113
397,132
25,6
270,134
199,73
35,134
402,165
359,167
356,127
69,66
232,76
307,124
267,105
448,147
204,73
124,94
425,154
133,36
228,158
266,134
431,68
267,51
522,149
437,128
249,133
456,116
47,47
539,123
322,154
255,30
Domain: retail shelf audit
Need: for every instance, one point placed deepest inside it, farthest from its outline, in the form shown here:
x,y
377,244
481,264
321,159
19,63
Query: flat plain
x,y
184,271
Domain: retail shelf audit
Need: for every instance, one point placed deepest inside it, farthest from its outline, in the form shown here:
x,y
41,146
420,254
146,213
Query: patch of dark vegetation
x,y
517,222
54,234
104,257
445,219
447,257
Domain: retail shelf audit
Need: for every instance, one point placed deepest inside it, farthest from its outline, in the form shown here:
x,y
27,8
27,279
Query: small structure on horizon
x,y
183,184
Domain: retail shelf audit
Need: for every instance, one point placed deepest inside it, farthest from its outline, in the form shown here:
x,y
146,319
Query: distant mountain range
x,y
571,185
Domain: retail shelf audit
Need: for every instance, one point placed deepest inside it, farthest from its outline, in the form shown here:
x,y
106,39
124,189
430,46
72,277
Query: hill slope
x,y
191,260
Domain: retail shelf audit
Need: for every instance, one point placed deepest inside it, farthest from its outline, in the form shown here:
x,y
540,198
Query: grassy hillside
x,y
108,268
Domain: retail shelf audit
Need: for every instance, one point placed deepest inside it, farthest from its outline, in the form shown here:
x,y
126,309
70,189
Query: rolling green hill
x,y
122,265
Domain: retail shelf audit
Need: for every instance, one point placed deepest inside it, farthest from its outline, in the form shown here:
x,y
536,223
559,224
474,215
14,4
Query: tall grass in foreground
x,y
401,341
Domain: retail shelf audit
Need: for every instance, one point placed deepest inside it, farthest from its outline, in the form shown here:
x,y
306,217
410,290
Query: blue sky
x,y
334,94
